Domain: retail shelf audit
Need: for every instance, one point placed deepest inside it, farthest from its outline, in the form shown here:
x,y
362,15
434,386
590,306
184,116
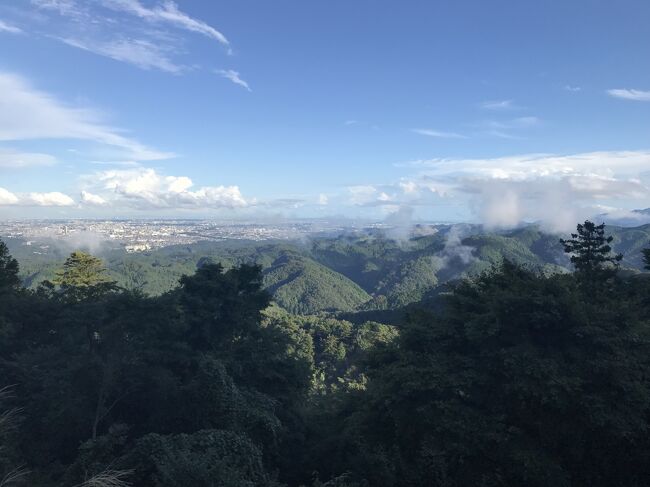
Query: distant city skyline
x,y
493,112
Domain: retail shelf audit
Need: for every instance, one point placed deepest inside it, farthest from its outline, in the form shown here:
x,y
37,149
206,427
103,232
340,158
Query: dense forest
x,y
529,367
343,274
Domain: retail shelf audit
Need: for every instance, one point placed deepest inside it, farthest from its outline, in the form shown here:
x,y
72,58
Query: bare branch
x,y
107,478
14,477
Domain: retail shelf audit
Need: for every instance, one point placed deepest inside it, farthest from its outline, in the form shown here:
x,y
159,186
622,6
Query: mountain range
x,y
359,271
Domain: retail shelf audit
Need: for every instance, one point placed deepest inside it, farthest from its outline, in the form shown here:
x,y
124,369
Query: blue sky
x,y
495,111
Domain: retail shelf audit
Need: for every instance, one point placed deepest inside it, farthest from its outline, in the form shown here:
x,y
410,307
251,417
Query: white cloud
x,y
499,105
525,166
503,128
409,187
63,7
626,94
10,158
572,88
11,29
46,199
409,192
144,188
323,199
115,163
92,199
167,12
438,134
26,113
232,76
146,36
363,194
178,184
557,190
525,122
141,53
7,197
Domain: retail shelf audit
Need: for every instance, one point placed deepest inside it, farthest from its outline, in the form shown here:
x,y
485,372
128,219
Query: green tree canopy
x,y
524,380
83,276
590,251
8,269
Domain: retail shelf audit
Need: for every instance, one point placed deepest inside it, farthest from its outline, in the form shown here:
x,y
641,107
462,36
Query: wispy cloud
x,y
11,29
629,94
10,158
115,163
233,76
147,36
361,123
28,113
499,105
168,12
525,121
67,8
500,134
572,88
439,134
141,53
504,129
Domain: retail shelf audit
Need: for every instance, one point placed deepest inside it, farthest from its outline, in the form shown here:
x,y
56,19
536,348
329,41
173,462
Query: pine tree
x,y
591,252
83,276
8,269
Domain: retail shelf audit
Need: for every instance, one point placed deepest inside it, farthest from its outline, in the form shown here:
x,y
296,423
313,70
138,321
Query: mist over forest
x,y
342,360
361,243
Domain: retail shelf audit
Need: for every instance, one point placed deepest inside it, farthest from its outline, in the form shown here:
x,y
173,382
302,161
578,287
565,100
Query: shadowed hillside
x,y
342,274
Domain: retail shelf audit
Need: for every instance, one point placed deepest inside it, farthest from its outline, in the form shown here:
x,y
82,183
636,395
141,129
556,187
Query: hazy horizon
x,y
496,113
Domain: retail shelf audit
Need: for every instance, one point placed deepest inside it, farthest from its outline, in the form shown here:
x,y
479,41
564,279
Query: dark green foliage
x,y
523,381
12,472
102,370
646,258
334,347
409,282
342,274
10,298
395,273
302,286
221,308
8,269
206,458
83,277
590,251
520,375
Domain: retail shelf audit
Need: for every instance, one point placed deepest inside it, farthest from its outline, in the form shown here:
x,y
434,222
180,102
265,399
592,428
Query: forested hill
x,y
346,273
523,378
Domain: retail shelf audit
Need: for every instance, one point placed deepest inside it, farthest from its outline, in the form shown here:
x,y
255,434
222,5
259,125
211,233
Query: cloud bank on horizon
x,y
482,165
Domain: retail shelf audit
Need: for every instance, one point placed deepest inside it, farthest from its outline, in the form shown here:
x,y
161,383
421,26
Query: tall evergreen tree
x,y
8,269
591,253
83,276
